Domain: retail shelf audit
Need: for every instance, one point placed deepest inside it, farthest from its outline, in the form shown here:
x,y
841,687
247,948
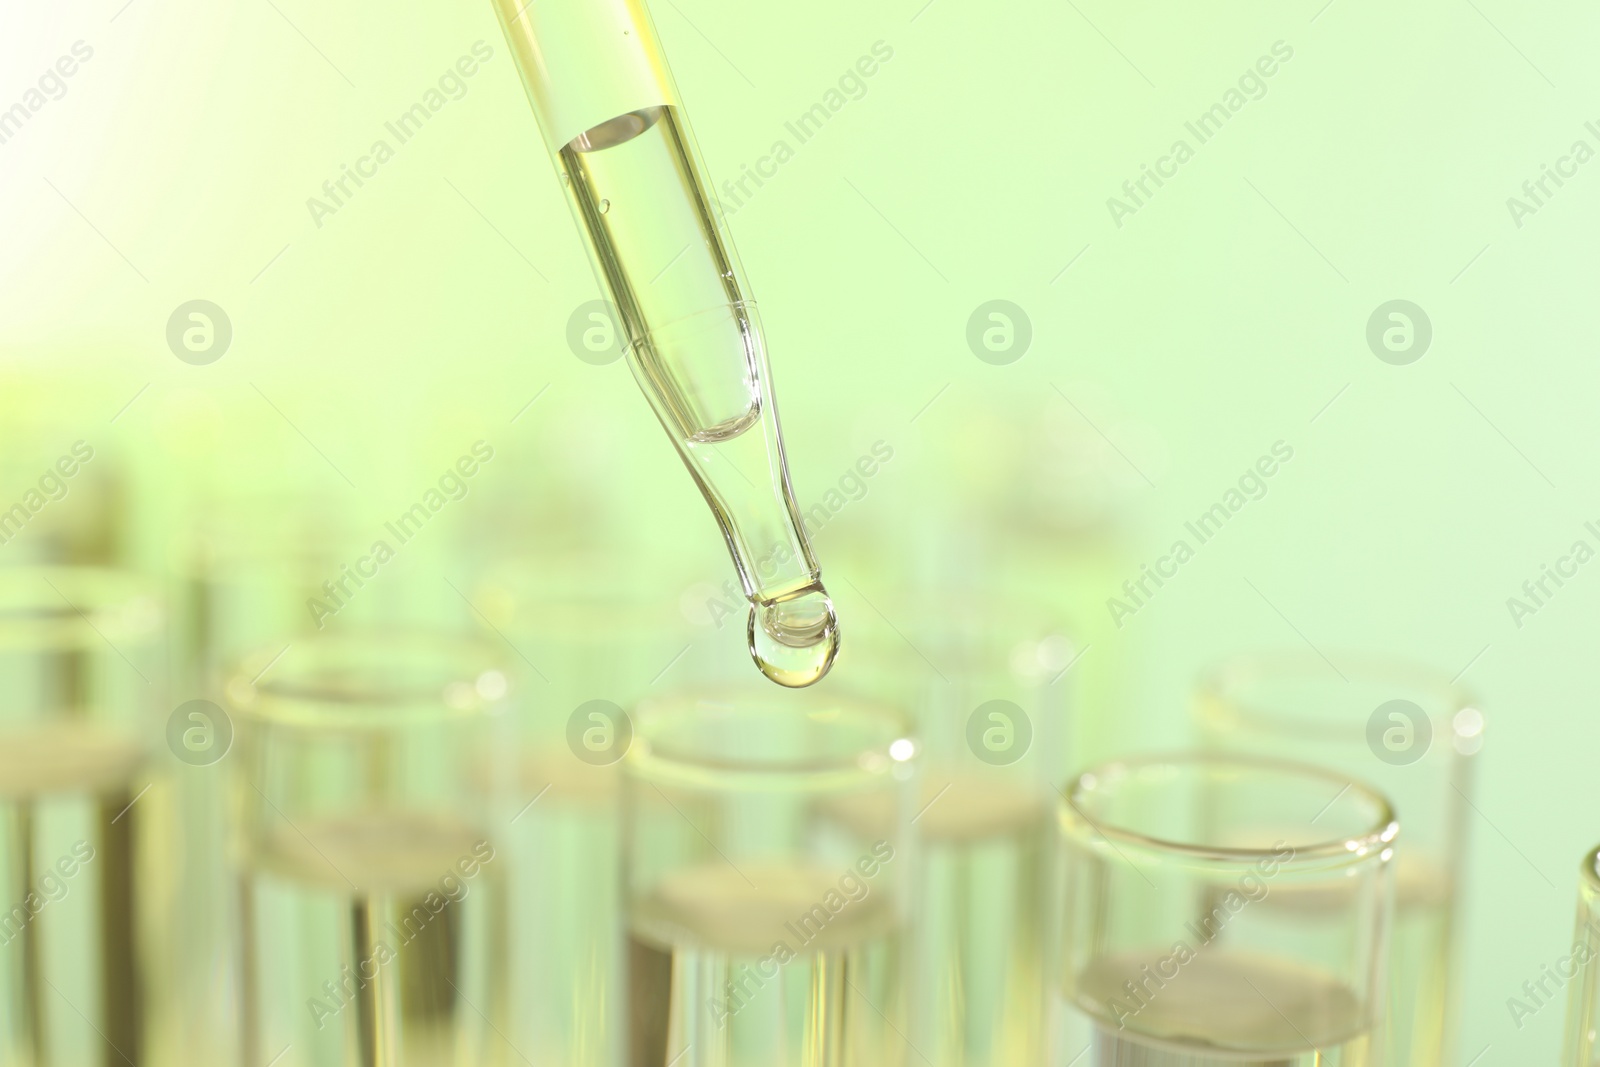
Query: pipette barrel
x,y
585,62
609,113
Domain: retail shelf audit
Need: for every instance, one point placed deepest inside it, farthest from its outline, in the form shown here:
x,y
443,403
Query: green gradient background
x,y
422,317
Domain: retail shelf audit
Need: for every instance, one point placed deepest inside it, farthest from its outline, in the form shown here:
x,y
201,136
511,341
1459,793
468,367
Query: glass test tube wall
x,y
763,926
1052,533
241,577
611,118
84,866
988,680
47,456
1582,1045
1414,735
1222,911
597,645
371,887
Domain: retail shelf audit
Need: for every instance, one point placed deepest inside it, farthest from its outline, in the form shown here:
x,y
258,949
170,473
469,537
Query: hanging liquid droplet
x,y
794,638
695,347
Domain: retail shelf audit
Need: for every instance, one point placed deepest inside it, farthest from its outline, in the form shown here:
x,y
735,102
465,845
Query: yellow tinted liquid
x,y
1224,1008
365,944
979,964
1419,951
695,346
753,968
77,949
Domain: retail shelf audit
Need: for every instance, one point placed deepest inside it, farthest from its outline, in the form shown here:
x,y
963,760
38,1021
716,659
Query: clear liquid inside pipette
x,y
694,343
794,641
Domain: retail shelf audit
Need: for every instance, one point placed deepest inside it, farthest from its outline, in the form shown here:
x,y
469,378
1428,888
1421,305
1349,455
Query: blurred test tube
x,y
588,642
1221,910
86,855
991,690
371,890
1580,968
1413,734
766,891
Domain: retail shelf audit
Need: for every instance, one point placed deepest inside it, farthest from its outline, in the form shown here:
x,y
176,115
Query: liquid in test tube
x,y
610,115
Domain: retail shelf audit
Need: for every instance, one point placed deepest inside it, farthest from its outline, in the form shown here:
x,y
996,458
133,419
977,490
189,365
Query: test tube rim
x,y
89,605
253,693
1219,702
554,596
1351,850
1589,872
648,759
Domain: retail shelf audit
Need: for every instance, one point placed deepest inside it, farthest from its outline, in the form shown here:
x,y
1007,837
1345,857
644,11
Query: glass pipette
x,y
609,112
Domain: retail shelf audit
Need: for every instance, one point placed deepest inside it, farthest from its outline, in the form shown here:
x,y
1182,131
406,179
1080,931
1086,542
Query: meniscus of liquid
x,y
609,113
